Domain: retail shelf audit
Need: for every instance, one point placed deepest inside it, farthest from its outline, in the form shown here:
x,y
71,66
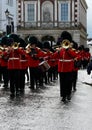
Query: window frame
x,y
26,10
68,13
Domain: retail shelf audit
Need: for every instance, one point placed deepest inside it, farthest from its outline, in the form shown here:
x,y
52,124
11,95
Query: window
x,y
10,2
31,12
64,11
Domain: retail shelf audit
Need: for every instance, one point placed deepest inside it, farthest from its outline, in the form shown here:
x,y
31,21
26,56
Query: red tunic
x,y
4,59
33,59
23,60
14,59
66,60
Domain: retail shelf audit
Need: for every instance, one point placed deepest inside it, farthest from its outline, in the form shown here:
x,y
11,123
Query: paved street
x,y
43,109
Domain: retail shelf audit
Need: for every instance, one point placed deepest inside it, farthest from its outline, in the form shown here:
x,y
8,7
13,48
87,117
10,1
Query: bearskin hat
x,y
46,45
4,40
33,40
74,45
66,35
22,43
39,44
10,41
15,37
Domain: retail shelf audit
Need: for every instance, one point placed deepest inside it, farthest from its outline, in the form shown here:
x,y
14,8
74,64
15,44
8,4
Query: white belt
x,y
23,60
63,60
13,58
52,60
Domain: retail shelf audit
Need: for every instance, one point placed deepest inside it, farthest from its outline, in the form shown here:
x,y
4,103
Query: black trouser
x,y
5,75
65,84
1,77
34,76
74,81
22,79
50,75
14,80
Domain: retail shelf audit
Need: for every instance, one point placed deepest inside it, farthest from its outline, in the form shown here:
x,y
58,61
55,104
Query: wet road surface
x,y
43,109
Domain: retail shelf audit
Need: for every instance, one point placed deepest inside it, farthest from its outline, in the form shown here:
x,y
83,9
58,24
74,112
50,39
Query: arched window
x,y
47,11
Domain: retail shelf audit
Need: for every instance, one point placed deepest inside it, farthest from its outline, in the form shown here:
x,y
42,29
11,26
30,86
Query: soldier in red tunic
x,y
15,53
66,57
4,60
33,53
76,68
23,65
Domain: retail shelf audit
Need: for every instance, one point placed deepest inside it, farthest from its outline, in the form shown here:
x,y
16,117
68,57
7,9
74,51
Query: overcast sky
x,y
89,18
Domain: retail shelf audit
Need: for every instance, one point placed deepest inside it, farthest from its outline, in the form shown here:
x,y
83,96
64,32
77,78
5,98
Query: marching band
x,y
43,63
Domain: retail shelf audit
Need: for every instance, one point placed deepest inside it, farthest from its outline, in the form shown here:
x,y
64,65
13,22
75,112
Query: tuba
x,y
66,44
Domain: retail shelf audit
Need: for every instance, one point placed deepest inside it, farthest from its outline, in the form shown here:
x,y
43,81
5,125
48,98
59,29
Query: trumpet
x,y
66,44
2,48
15,45
28,48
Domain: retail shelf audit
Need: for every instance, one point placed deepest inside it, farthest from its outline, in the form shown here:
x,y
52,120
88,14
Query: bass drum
x,y
44,66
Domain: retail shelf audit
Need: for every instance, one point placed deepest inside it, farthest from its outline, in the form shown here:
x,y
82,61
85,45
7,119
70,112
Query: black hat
x,y
4,40
9,41
15,37
74,45
39,44
33,40
46,45
66,35
86,49
22,43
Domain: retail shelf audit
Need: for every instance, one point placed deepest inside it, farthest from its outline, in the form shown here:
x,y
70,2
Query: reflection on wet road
x,y
43,109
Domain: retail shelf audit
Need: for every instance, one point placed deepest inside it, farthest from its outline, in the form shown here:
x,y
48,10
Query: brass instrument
x,y
2,48
15,45
66,44
57,47
28,48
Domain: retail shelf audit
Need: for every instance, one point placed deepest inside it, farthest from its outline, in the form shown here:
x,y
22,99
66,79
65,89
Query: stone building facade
x,y
50,17
8,16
